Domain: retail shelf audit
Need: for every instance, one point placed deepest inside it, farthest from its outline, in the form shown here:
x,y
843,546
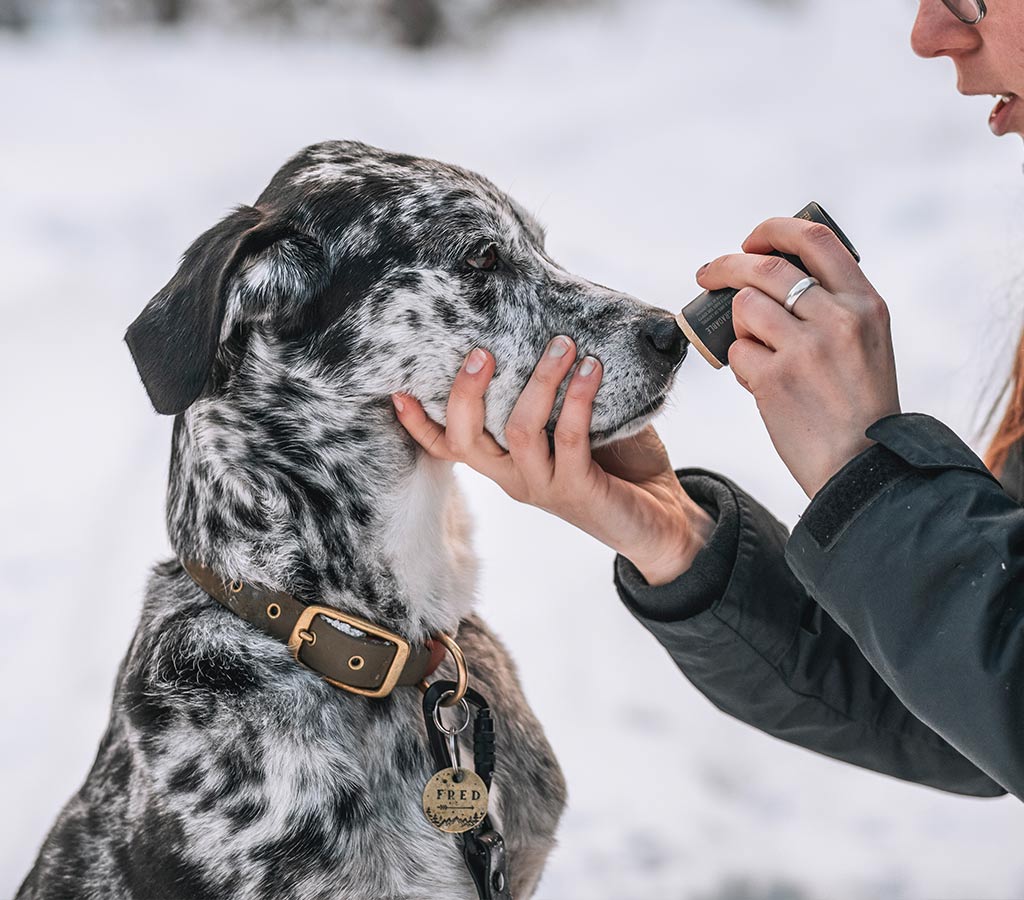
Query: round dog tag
x,y
455,800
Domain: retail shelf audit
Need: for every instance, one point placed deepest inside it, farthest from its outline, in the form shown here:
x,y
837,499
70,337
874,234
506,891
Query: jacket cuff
x,y
705,581
905,444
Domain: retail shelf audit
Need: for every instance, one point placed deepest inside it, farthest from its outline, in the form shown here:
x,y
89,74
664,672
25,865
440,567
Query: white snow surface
x,y
649,137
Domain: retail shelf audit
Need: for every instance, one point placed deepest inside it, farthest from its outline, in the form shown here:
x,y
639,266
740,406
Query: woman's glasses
x,y
971,12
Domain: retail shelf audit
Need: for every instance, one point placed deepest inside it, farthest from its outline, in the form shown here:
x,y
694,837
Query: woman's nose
x,y
937,32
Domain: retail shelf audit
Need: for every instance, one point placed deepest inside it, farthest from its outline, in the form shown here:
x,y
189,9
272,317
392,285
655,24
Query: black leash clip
x,y
485,858
483,848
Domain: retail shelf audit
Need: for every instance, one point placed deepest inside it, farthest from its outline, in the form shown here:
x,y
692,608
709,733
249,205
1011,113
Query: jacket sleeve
x,y
746,633
917,552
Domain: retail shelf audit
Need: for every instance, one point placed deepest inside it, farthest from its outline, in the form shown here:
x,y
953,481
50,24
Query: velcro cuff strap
x,y
850,491
906,443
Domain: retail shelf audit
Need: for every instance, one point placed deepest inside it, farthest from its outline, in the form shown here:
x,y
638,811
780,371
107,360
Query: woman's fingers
x,y
771,275
751,363
464,440
464,434
755,314
526,429
761,327
572,431
816,245
424,430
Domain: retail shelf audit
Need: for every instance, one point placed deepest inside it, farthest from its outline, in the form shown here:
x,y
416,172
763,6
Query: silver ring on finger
x,y
798,290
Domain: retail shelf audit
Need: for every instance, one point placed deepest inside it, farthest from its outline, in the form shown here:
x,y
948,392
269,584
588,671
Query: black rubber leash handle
x,y
483,745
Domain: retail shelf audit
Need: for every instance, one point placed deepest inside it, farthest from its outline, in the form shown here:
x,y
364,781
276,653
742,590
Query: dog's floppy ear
x,y
244,269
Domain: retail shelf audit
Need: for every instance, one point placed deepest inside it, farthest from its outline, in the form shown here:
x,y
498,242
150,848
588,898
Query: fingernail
x,y
476,361
587,366
558,347
399,402
703,269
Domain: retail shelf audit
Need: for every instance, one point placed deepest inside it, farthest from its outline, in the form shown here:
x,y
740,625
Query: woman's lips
x,y
999,120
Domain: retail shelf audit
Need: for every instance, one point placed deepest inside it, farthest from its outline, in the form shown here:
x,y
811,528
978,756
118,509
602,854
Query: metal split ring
x,y
461,673
798,290
451,732
461,670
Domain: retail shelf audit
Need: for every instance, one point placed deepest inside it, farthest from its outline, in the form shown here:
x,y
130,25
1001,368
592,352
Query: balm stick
x,y
707,321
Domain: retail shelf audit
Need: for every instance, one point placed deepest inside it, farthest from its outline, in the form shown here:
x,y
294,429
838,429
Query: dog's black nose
x,y
662,342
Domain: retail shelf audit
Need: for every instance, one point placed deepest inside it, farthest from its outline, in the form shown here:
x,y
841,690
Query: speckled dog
x,y
227,769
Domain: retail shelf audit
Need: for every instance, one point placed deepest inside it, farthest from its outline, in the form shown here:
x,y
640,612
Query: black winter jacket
x,y
887,631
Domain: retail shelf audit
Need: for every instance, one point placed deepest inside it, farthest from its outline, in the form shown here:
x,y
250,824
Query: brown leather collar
x,y
325,640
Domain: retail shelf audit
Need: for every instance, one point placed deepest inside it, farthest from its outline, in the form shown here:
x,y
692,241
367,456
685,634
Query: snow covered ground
x,y
649,136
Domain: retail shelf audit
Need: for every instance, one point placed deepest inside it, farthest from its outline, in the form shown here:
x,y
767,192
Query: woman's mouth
x,y
999,120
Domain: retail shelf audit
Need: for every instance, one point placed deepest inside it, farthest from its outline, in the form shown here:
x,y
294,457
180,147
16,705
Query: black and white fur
x,y
227,770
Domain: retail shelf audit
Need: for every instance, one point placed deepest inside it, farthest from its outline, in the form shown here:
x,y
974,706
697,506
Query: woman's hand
x,y
631,501
823,373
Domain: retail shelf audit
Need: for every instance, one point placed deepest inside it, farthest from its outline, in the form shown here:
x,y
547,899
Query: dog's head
x,y
360,273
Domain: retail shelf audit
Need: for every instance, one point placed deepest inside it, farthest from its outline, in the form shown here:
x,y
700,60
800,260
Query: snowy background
x,y
649,137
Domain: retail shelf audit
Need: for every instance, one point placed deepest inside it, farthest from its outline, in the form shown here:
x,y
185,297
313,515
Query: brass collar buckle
x,y
347,643
302,634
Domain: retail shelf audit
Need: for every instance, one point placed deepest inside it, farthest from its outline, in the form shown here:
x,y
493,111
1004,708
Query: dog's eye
x,y
485,258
